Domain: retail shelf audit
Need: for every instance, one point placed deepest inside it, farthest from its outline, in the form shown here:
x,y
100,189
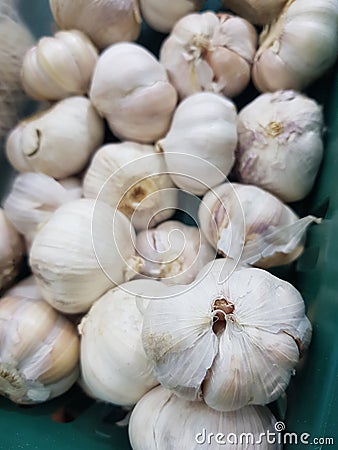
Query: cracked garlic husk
x,y
200,145
209,52
299,47
58,141
39,351
60,66
252,226
258,12
133,178
114,367
84,249
33,199
136,98
173,252
104,21
193,421
227,340
12,250
280,144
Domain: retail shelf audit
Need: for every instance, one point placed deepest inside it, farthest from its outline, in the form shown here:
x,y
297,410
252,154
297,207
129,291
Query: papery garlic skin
x,y
104,21
84,249
39,351
299,47
26,288
12,250
173,252
58,141
114,366
162,15
209,52
136,98
193,421
280,145
59,66
133,178
200,145
259,12
228,341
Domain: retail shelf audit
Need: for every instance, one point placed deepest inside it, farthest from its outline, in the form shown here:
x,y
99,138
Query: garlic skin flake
x,y
60,66
39,351
58,141
132,178
252,226
114,366
104,21
84,249
193,421
209,52
259,12
136,98
200,145
299,47
228,341
173,252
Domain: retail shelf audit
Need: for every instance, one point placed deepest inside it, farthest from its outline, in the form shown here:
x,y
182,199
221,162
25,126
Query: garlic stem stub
x,y
259,12
227,341
299,47
59,66
209,52
39,351
136,98
194,426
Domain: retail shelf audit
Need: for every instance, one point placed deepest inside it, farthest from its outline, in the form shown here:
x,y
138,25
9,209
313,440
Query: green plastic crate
x,y
312,398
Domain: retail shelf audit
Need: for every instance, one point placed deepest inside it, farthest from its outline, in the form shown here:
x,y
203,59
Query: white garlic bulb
x,y
133,178
84,249
196,426
12,250
39,351
58,141
228,341
173,252
34,197
259,12
200,145
162,15
136,98
209,52
104,21
26,288
250,225
114,366
299,47
280,144
60,66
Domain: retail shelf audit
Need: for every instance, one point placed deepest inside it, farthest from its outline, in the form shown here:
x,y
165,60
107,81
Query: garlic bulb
x,y
200,145
196,426
104,21
250,225
11,252
114,366
228,341
84,249
280,144
34,197
136,98
259,12
59,66
133,178
173,252
26,288
162,15
209,52
299,47
57,142
39,351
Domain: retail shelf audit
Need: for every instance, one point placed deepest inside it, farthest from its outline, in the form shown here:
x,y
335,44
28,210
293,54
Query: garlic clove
x,y
258,12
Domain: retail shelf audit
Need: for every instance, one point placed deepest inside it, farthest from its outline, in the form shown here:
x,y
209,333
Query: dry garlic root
x,y
60,66
209,52
259,12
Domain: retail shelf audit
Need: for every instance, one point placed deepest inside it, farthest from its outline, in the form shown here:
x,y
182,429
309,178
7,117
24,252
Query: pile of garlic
x,y
184,322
